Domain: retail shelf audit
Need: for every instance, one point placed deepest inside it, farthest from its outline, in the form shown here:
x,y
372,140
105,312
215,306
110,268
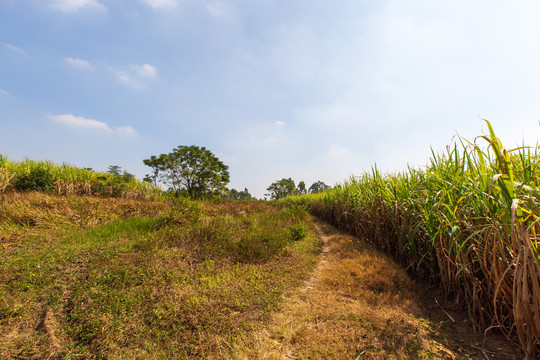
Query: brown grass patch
x,y
361,305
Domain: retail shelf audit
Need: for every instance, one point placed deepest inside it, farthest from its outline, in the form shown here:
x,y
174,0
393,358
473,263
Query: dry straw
x,y
468,221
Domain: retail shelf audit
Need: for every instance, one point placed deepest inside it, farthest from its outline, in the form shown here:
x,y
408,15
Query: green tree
x,y
120,175
240,195
127,176
192,170
115,170
158,165
318,186
281,188
302,188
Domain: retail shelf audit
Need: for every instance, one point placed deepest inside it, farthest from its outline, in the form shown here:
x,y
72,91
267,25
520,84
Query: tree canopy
x,y
318,186
302,188
281,188
192,170
286,187
239,195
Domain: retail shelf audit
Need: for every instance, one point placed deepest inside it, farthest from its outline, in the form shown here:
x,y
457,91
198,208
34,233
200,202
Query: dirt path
x,y
323,260
359,304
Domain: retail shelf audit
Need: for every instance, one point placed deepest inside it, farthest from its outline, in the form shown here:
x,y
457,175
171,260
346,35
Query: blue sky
x,y
313,90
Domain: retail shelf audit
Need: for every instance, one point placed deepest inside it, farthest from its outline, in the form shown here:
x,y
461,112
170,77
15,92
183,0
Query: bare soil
x,y
359,304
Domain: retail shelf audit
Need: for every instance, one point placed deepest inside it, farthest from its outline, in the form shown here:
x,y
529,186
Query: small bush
x,y
296,212
297,232
38,179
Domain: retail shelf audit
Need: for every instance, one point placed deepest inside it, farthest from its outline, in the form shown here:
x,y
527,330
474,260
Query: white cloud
x,y
280,123
78,63
76,5
15,49
128,79
80,122
126,130
145,70
84,123
216,8
136,76
270,140
3,92
156,4
124,77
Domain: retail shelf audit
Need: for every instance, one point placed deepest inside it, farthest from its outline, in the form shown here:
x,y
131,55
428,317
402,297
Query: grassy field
x,y
133,274
360,304
65,179
467,222
95,278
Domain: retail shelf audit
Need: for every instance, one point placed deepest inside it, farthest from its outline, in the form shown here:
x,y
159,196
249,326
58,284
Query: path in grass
x,y
358,304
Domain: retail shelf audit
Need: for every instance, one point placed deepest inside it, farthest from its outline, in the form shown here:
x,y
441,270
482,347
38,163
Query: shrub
x,y
37,179
297,232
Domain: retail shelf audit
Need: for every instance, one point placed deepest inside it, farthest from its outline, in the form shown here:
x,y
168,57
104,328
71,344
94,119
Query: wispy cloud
x,y
157,4
78,63
267,140
126,130
216,8
3,92
136,76
84,123
76,5
280,123
15,49
145,70
80,122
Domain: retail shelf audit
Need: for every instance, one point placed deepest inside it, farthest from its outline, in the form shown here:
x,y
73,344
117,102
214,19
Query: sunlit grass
x,y
93,278
468,221
66,179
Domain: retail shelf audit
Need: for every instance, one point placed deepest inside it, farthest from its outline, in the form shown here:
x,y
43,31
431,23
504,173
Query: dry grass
x,y
468,222
88,278
26,214
362,305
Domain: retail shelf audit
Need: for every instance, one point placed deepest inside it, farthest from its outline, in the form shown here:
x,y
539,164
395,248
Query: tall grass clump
x,y
468,222
65,179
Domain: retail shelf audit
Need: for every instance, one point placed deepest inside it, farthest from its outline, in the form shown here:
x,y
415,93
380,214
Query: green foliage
x,y
239,195
191,170
142,279
286,187
318,186
115,170
295,211
66,179
301,188
297,232
281,188
37,179
468,221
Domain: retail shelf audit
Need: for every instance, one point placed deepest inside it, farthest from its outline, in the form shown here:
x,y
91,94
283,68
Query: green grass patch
x,y
176,280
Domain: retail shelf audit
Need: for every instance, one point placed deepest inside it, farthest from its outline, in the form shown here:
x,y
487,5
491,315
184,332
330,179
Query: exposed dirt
x,y
359,304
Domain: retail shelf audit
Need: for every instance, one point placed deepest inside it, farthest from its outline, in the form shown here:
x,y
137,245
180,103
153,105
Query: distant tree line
x,y
239,195
197,173
189,171
286,187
